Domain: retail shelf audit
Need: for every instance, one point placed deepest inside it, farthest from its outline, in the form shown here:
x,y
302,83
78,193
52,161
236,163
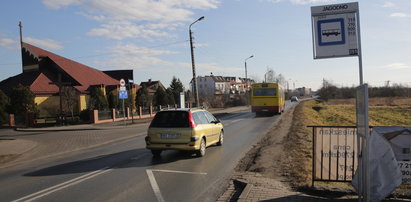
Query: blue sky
x,y
151,37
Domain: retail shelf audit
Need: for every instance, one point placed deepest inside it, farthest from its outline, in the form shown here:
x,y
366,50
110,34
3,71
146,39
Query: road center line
x,y
63,185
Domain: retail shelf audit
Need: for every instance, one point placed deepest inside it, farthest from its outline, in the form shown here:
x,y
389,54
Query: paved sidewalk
x,y
251,186
30,144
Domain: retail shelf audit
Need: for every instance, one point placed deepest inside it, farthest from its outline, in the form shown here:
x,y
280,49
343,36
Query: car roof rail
x,y
192,108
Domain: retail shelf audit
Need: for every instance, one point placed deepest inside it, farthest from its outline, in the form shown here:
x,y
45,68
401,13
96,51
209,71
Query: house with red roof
x,y
44,72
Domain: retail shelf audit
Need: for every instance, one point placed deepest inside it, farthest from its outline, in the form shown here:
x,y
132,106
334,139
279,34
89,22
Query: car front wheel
x,y
221,140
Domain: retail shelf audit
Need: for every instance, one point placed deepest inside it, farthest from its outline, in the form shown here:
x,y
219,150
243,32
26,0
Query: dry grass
x,y
299,139
298,145
382,101
319,113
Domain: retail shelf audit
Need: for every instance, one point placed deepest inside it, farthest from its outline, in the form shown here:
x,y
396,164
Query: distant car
x,y
184,129
294,99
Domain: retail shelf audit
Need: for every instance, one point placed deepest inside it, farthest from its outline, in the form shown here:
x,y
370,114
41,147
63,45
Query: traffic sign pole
x,y
122,94
124,113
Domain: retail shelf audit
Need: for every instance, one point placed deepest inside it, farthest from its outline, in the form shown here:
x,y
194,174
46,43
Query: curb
x,y
245,191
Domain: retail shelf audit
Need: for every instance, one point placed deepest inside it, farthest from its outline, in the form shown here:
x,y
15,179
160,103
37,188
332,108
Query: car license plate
x,y
169,136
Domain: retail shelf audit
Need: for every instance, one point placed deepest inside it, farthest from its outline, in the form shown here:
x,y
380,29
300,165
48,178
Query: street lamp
x,y
245,64
195,89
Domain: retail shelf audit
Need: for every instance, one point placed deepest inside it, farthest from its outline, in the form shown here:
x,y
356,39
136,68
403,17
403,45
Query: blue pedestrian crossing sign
x,y
122,94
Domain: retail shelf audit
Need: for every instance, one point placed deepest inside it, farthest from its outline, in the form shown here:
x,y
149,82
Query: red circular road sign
x,y
122,83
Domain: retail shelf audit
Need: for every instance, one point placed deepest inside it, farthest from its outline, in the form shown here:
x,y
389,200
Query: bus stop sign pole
x,y
336,33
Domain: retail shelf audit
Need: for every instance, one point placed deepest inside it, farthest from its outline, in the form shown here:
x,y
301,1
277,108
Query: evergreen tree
x,y
170,96
98,100
160,97
4,102
176,88
22,100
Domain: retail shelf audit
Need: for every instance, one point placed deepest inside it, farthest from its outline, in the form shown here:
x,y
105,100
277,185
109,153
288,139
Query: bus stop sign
x,y
334,30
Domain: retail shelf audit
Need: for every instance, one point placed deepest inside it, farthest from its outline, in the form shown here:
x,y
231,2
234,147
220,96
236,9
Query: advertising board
x,y
334,151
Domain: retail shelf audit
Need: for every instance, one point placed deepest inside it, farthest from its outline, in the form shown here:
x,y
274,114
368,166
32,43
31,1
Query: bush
x,y
85,115
4,102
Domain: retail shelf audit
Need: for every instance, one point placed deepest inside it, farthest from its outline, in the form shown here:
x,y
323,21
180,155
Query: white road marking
x,y
63,185
182,172
154,184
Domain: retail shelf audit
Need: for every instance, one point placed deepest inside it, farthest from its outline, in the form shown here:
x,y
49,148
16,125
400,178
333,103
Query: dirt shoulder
x,y
280,165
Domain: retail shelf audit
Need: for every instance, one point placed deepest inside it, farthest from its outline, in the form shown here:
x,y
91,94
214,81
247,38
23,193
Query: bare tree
x,y
70,98
269,75
281,80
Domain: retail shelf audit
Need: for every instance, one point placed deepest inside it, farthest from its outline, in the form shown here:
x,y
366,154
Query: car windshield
x,y
171,119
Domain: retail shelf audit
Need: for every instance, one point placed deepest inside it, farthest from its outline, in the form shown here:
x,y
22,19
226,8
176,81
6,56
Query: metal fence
x,y
334,153
120,114
105,114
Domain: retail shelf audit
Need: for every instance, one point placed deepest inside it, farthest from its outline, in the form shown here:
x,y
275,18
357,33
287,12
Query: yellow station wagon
x,y
184,129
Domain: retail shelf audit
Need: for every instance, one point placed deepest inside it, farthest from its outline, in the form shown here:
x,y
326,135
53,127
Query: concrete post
x,y
12,123
113,114
94,116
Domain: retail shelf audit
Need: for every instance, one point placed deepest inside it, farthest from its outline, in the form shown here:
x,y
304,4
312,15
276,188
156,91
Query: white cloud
x,y
396,66
197,45
272,1
57,4
217,69
388,4
400,15
136,57
120,30
9,43
143,59
44,43
301,2
136,18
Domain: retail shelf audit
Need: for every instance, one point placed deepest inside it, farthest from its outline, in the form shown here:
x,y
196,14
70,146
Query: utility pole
x,y
21,46
245,66
195,89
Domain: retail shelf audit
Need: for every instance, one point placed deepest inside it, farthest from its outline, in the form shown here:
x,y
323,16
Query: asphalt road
x,y
126,171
